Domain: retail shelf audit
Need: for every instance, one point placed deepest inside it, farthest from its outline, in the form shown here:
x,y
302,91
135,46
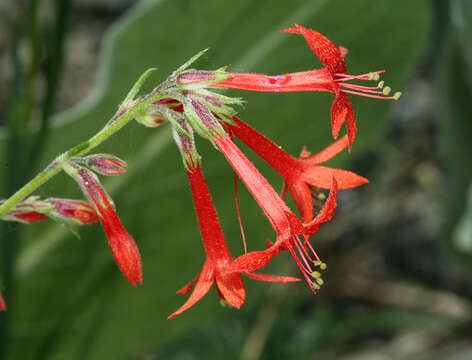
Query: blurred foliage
x,y
69,299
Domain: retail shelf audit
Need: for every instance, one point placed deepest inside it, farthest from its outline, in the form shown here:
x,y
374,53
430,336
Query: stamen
x,y
366,91
386,90
307,268
369,96
374,76
239,213
369,76
363,89
308,244
397,95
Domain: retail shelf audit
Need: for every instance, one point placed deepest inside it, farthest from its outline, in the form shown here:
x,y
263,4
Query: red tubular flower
x,y
121,244
286,224
230,286
333,78
76,211
300,175
3,305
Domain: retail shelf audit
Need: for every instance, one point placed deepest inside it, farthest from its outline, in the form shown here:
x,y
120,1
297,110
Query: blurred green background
x,y
398,283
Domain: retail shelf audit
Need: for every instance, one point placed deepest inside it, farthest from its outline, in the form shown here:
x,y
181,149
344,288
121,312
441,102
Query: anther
x,y
316,286
381,84
315,274
397,95
374,76
319,281
386,90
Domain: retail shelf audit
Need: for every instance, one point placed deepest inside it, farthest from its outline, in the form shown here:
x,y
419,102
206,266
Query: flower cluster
x,y
196,108
188,102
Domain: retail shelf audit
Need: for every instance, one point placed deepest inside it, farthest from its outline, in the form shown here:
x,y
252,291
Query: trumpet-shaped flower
x,y
302,176
333,78
122,245
230,286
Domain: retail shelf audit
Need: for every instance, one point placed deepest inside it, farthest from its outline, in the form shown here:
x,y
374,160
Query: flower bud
x,y
79,212
105,164
195,79
30,211
151,117
186,144
122,245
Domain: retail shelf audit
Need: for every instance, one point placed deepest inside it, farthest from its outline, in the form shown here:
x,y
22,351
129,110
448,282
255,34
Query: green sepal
x,y
188,63
137,86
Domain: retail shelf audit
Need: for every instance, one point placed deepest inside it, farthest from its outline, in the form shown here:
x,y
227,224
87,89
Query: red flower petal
x,y
327,212
231,289
249,262
204,282
301,194
324,49
325,154
321,176
341,110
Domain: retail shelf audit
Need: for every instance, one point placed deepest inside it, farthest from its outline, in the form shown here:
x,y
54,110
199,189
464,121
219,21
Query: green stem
x,y
120,119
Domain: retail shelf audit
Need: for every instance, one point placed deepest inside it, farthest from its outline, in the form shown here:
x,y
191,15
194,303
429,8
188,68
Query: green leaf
x,y
71,300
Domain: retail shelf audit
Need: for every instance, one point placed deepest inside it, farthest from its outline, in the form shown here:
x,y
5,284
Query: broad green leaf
x,y
72,302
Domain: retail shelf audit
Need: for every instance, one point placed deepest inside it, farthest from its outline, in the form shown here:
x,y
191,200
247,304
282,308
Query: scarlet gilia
x,y
122,245
333,77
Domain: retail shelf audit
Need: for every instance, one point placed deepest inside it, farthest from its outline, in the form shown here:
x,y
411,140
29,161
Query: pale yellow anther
x,y
223,303
397,95
371,76
381,84
319,281
323,266
315,274
386,90
316,286
321,196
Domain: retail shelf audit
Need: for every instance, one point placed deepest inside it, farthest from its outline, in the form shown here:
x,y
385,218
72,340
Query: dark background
x,y
398,250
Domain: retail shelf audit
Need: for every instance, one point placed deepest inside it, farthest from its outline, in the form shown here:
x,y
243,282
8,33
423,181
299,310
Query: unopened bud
x,y
105,164
151,117
75,211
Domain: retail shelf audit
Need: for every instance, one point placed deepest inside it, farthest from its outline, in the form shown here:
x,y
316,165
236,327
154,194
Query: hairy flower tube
x,y
122,245
230,286
333,78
